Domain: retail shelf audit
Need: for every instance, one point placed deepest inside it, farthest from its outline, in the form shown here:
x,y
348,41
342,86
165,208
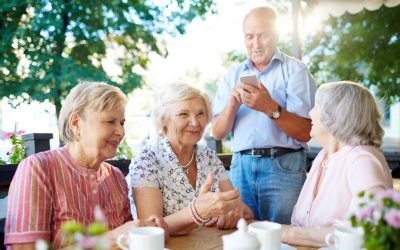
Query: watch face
x,y
276,114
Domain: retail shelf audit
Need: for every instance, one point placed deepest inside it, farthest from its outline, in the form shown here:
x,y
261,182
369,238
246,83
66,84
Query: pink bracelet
x,y
192,215
196,215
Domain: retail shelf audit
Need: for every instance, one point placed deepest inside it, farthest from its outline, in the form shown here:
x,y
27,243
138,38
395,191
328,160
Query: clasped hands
x,y
225,208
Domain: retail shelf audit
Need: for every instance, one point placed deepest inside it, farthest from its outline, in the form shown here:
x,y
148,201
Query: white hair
x,y
176,93
350,113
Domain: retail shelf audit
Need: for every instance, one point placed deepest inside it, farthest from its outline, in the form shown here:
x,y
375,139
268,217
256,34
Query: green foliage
x,y
379,216
364,47
84,236
124,151
47,46
17,152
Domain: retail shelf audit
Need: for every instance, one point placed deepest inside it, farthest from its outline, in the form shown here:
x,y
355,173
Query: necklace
x,y
186,167
325,161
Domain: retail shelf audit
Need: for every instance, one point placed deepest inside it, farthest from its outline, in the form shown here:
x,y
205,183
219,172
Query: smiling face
x,y
101,132
185,122
260,37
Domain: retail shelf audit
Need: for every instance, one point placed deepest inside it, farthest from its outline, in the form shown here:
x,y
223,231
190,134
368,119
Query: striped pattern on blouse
x,y
49,188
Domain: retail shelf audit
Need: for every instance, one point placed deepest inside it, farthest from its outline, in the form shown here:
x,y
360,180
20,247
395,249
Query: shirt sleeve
x,y
222,96
144,170
365,172
300,92
371,171
126,213
29,204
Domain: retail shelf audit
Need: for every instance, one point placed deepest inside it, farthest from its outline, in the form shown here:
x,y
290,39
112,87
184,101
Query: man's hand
x,y
236,99
257,98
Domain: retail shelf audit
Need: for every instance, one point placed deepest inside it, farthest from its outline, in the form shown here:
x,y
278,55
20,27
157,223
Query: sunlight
x,y
284,25
311,24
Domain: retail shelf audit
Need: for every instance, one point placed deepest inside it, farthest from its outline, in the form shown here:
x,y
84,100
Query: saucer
x,y
286,247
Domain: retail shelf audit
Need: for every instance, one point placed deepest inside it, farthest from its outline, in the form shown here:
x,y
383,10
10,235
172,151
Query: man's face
x,y
260,38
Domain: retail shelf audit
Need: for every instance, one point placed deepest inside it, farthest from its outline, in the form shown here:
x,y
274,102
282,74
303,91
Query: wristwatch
x,y
276,113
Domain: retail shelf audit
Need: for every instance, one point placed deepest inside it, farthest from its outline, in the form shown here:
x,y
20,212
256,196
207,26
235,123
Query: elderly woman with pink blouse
x,y
346,122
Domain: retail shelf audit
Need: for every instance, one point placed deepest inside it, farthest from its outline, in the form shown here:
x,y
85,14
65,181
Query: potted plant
x,y
15,155
379,216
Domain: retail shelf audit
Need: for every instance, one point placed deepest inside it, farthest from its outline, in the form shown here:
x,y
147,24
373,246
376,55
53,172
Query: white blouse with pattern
x,y
157,166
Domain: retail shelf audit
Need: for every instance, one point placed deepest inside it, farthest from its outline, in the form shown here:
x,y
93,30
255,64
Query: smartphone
x,y
252,79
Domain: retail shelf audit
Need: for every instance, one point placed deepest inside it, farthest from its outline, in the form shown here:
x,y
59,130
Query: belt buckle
x,y
254,155
272,152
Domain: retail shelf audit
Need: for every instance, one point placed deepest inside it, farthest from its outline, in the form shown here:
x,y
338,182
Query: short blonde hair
x,y
176,93
350,113
98,96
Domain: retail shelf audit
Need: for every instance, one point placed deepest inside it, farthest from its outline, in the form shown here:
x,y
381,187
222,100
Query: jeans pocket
x,y
234,161
293,163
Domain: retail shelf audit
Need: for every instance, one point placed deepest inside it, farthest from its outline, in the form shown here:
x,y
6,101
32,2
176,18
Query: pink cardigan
x,y
349,171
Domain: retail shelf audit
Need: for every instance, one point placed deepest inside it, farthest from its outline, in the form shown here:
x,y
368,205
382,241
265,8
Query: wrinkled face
x,y
185,122
318,130
101,132
260,38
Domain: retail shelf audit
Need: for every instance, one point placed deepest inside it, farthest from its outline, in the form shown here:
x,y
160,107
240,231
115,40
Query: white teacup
x,y
346,238
142,238
268,234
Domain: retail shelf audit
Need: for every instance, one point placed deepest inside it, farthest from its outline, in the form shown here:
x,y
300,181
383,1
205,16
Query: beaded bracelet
x,y
196,215
192,215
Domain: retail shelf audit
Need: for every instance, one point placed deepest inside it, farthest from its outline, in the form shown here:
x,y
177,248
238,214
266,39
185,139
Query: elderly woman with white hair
x,y
346,122
177,178
68,183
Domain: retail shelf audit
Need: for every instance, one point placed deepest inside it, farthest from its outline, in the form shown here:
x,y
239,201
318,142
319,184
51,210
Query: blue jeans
x,y
269,186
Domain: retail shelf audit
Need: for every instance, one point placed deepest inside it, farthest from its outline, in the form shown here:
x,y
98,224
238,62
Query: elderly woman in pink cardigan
x,y
346,122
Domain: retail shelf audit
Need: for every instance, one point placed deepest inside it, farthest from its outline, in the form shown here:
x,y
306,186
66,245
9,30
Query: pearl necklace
x,y
186,167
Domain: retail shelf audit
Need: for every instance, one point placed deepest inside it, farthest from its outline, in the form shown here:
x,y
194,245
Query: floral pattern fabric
x,y
157,166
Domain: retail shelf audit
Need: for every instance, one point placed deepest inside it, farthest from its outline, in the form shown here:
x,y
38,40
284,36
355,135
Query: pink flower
x,y
396,197
392,217
364,213
99,215
7,135
389,193
86,242
20,132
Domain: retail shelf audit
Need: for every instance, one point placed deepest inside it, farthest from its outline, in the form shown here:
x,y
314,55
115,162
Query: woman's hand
x,y
210,204
155,221
230,220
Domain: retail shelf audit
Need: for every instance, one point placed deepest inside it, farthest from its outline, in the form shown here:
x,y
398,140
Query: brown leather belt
x,y
269,152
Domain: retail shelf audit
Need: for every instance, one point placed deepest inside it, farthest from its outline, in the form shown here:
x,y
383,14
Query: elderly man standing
x,y
269,121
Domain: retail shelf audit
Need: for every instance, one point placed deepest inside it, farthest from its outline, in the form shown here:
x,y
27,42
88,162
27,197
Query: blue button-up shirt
x,y
289,83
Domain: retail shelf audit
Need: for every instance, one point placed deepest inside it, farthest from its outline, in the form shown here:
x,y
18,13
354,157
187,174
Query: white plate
x,y
286,247
327,248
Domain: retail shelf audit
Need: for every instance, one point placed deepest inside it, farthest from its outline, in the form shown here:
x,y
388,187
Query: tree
x,y
47,46
364,47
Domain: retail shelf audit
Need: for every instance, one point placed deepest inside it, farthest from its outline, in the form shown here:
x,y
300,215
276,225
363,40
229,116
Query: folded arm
x,y
301,236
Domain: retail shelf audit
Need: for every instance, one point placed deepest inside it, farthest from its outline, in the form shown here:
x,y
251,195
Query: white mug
x,y
268,234
346,238
143,238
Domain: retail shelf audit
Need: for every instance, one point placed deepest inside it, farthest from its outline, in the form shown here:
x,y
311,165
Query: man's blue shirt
x,y
289,83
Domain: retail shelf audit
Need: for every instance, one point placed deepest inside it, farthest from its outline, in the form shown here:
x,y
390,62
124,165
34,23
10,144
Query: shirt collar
x,y
277,56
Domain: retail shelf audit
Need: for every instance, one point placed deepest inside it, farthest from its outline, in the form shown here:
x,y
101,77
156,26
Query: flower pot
x,y
7,172
122,164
